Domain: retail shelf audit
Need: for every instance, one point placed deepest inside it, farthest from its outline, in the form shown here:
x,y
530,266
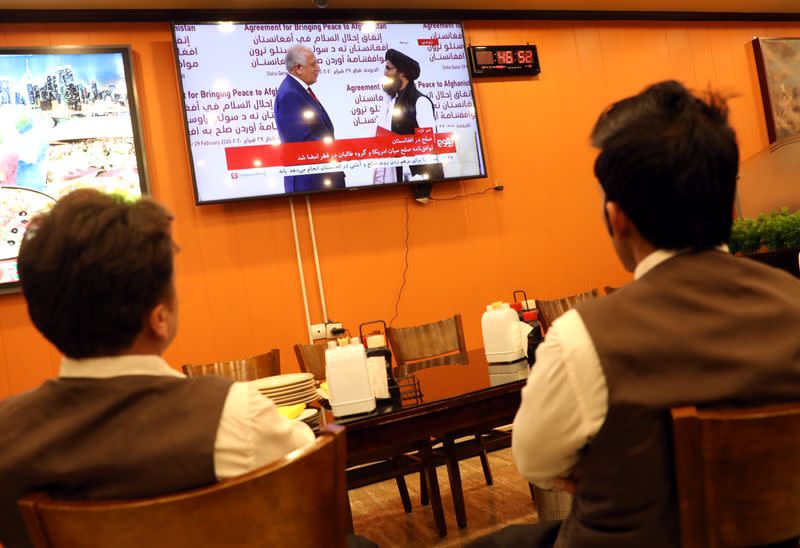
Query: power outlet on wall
x,y
330,327
318,331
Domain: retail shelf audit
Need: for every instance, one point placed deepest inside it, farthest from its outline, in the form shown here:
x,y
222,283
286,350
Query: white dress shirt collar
x,y
116,366
659,256
299,81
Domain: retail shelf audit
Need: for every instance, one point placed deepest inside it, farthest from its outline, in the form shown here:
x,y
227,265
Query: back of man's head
x,y
92,268
669,160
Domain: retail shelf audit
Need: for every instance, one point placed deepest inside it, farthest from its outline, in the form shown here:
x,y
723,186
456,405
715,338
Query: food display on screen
x,y
66,122
373,104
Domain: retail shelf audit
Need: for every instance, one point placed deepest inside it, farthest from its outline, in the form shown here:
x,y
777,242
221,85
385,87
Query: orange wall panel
x,y
237,273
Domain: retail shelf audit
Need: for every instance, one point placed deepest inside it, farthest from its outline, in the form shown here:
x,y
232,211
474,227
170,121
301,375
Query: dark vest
x,y
123,437
698,329
406,122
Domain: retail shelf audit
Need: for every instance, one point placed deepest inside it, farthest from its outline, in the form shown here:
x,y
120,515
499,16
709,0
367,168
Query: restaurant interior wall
x,y
237,275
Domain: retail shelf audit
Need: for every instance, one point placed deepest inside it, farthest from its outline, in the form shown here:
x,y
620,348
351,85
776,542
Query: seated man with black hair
x,y
696,327
119,422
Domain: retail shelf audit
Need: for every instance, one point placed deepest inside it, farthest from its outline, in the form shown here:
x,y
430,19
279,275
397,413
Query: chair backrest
x,y
738,475
311,358
551,309
428,345
299,500
248,369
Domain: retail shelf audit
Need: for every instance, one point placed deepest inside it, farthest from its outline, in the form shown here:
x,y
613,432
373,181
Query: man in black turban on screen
x,y
405,109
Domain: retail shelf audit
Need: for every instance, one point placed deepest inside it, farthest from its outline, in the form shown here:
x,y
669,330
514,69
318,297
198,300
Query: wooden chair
x,y
299,500
431,345
248,369
738,475
428,345
551,309
311,358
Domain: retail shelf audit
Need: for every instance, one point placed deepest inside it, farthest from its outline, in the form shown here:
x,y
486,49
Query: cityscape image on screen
x,y
66,122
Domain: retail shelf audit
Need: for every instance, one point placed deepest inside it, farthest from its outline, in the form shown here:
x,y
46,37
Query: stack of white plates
x,y
311,417
288,389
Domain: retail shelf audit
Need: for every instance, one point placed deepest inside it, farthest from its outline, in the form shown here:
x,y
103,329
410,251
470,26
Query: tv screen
x,y
366,104
67,120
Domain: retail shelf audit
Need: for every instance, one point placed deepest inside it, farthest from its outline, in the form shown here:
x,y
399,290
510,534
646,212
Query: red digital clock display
x,y
508,60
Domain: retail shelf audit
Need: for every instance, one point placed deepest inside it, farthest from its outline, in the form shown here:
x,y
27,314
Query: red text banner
x,y
344,150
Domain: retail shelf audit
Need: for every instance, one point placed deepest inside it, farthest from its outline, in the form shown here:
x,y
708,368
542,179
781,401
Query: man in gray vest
x,y
119,422
696,327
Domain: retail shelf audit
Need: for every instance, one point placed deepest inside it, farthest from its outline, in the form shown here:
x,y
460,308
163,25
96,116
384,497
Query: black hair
x,y
670,160
93,267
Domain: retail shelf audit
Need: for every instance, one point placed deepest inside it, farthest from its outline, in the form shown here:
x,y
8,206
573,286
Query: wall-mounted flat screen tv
x,y
291,108
68,120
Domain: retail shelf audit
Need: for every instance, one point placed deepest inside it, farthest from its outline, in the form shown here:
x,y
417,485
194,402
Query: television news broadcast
x,y
368,104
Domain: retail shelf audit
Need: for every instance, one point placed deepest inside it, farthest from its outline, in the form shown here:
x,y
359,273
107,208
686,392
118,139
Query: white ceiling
x,y
774,6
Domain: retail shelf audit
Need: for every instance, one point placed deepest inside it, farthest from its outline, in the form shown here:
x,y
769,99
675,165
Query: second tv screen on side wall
x,y
68,120
254,131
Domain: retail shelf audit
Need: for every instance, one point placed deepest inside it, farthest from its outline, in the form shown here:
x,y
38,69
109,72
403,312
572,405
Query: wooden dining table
x,y
454,400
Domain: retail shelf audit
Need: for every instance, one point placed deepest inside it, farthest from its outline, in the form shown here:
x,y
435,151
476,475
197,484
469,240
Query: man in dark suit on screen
x,y
301,117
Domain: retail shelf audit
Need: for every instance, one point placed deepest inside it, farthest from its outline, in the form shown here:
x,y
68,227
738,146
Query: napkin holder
x,y
348,379
379,358
505,341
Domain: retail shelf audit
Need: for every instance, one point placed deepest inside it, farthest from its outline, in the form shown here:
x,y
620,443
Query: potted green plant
x,y
772,238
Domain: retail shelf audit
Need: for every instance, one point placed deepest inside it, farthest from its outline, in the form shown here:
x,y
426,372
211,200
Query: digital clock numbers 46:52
x,y
504,60
509,57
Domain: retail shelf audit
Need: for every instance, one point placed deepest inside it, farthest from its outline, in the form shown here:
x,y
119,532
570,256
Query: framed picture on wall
x,y
778,66
68,120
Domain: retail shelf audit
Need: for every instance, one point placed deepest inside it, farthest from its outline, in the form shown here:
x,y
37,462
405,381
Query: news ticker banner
x,y
309,157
